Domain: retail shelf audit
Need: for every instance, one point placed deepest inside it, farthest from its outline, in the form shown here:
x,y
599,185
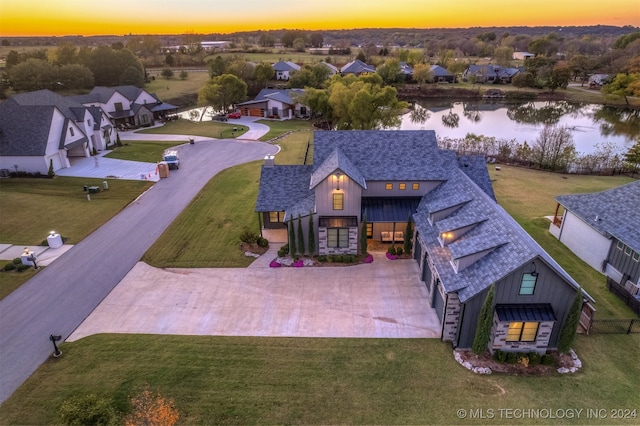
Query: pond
x,y
591,125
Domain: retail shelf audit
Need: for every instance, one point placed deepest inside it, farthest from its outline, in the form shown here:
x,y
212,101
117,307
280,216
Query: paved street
x,y
60,297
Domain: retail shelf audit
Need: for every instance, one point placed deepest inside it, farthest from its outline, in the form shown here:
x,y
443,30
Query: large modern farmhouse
x,y
463,240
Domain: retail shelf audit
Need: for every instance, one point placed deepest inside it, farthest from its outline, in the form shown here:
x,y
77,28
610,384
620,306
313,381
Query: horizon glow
x,y
119,17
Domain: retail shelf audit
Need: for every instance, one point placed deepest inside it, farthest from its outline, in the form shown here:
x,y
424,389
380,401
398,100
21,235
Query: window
x,y
118,106
522,332
620,245
402,186
388,186
338,201
627,250
636,256
369,230
528,284
338,237
415,186
71,131
89,122
276,217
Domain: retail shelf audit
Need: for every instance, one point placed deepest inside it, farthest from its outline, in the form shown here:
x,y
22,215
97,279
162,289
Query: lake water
x,y
589,124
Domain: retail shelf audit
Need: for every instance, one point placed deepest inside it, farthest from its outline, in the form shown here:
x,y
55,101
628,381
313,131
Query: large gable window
x,y
338,201
118,106
522,331
528,284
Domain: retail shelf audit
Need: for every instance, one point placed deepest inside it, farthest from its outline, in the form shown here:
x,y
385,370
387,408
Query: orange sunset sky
x,y
82,17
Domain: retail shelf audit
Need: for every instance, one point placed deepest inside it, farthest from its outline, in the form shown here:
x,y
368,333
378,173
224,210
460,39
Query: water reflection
x,y
590,124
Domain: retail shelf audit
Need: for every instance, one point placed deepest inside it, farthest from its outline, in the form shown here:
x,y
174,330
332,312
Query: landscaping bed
x,y
479,363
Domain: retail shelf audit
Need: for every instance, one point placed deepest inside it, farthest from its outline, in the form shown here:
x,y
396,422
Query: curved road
x,y
61,296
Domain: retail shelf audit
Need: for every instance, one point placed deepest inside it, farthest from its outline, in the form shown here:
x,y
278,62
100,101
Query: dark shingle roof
x,y
337,161
24,130
357,67
286,66
617,211
282,187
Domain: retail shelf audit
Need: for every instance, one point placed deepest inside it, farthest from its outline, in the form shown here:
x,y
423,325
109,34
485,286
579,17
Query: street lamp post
x,y
56,351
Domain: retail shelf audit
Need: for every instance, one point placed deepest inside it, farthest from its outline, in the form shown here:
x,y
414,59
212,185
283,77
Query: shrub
x,y
9,266
399,251
17,261
249,237
349,258
282,252
535,358
512,358
322,258
21,267
87,410
285,248
337,258
500,356
547,359
391,250
262,242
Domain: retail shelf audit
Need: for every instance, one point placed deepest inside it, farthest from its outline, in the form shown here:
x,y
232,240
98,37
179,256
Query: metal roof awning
x,y
528,312
389,209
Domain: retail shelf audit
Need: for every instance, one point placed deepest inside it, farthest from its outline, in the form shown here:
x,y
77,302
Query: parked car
x,y
219,117
235,114
171,158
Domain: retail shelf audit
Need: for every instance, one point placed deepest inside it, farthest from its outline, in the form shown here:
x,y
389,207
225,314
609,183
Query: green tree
x,y
222,92
184,75
302,78
75,76
390,71
569,329
290,36
316,40
632,157
623,86
408,235
445,56
263,73
523,79
88,409
66,53
13,58
483,327
51,173
422,73
167,73
267,40
299,45
504,55
363,234
217,67
292,239
132,76
559,78
312,236
300,244
33,74
169,59
554,149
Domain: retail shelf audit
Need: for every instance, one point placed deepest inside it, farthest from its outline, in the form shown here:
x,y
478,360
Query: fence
x,y
624,295
615,326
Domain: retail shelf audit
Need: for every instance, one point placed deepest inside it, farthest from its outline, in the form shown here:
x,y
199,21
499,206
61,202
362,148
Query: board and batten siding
x,y
624,263
550,288
352,197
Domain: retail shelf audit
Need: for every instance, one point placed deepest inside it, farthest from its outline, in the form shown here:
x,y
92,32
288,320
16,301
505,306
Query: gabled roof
x,y
282,187
614,212
24,129
336,161
386,155
405,68
439,71
104,93
507,245
357,67
332,68
67,106
286,66
286,96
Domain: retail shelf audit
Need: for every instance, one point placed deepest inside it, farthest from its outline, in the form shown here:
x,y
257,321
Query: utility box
x,y
54,240
163,169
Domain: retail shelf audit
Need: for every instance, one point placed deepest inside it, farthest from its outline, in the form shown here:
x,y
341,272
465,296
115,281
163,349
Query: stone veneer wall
x,y
498,341
353,242
451,318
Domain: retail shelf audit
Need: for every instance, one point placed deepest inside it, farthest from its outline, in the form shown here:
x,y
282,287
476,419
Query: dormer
x,y
454,227
468,251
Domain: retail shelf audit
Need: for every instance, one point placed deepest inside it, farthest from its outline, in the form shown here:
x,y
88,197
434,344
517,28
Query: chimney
x,y
269,161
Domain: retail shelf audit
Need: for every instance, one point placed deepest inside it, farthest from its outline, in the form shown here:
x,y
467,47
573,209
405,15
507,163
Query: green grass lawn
x,y
278,128
175,89
147,151
261,380
10,280
205,128
38,206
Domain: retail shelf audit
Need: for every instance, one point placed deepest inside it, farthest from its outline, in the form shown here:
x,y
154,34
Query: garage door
x,y
256,112
438,301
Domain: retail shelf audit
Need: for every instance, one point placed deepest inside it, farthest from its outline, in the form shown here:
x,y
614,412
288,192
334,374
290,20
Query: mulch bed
x,y
485,360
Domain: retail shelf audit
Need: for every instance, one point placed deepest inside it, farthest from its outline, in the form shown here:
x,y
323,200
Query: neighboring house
x,y
442,75
42,128
406,70
596,81
357,67
523,56
284,69
275,103
128,106
603,229
333,70
463,240
490,73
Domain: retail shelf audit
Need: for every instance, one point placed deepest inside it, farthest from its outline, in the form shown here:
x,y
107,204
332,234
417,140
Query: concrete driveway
x,y
384,299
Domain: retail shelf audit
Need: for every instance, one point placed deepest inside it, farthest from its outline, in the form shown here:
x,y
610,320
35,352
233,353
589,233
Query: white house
x,y
275,103
284,69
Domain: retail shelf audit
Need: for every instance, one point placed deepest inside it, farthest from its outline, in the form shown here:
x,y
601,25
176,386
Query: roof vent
x,y
597,218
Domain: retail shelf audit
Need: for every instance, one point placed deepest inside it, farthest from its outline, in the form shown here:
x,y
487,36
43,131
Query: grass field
x,y
205,128
40,205
260,380
177,89
278,128
10,280
147,151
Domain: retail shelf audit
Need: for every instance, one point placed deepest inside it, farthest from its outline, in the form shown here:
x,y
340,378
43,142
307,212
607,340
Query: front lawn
x,y
262,380
280,127
10,280
206,128
147,151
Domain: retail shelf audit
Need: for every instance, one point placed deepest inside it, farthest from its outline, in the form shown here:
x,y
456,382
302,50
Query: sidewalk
x,y
44,255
